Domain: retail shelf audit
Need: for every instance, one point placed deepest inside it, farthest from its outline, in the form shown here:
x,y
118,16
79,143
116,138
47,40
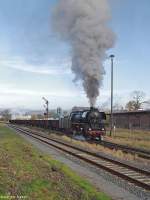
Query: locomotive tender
x,y
89,123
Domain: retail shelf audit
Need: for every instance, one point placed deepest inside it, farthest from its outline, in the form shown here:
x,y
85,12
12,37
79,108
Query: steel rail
x,y
127,149
133,174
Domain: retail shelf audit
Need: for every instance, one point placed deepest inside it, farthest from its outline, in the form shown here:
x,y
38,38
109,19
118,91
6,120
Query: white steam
x,y
84,24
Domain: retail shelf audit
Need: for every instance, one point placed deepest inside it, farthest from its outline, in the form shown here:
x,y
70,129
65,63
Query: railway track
x,y
129,173
140,152
126,149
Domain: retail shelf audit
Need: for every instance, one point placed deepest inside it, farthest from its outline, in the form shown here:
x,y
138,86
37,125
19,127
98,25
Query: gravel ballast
x,y
103,181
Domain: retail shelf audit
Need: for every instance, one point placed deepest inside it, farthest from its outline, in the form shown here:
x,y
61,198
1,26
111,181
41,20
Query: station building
x,y
132,120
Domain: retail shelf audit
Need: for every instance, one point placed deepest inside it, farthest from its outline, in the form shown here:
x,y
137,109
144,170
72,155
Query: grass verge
x,y
26,173
133,138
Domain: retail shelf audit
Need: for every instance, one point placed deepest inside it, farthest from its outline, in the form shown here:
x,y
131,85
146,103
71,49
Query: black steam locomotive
x,y
89,123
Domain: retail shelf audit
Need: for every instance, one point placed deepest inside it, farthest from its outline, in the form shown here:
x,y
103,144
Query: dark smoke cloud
x,y
84,24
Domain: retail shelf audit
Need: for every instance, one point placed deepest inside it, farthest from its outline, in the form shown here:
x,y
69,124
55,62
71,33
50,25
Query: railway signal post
x,y
47,110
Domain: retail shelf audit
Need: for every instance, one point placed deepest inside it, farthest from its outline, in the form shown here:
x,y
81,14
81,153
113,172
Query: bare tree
x,y
6,115
138,97
130,106
136,102
146,104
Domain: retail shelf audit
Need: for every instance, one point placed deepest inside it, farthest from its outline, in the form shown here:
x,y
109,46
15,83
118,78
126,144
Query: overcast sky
x,y
35,63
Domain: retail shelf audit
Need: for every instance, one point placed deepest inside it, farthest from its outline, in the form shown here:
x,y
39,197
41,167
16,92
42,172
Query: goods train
x,y
89,123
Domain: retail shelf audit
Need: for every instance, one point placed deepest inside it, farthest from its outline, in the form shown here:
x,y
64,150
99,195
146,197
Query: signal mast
x,y
46,109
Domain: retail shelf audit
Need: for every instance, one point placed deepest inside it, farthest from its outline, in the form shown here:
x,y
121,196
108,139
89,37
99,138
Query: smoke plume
x,y
84,25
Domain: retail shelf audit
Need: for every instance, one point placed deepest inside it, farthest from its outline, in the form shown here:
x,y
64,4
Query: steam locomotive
x,y
89,123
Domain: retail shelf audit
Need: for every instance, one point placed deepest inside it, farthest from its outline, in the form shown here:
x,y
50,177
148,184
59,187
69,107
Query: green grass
x,y
134,138
25,171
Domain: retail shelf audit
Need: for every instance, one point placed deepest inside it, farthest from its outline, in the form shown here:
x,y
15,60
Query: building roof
x,y
131,112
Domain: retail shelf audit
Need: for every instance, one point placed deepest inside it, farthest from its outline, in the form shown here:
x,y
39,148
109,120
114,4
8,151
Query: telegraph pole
x,y
47,109
112,83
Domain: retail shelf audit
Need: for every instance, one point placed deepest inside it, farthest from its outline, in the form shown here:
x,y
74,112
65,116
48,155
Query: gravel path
x,y
99,178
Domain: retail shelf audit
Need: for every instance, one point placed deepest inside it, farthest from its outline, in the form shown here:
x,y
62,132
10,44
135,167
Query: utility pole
x,y
47,109
112,84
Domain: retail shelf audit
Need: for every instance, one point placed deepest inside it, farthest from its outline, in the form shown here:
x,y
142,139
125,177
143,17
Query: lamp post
x,y
112,83
46,107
